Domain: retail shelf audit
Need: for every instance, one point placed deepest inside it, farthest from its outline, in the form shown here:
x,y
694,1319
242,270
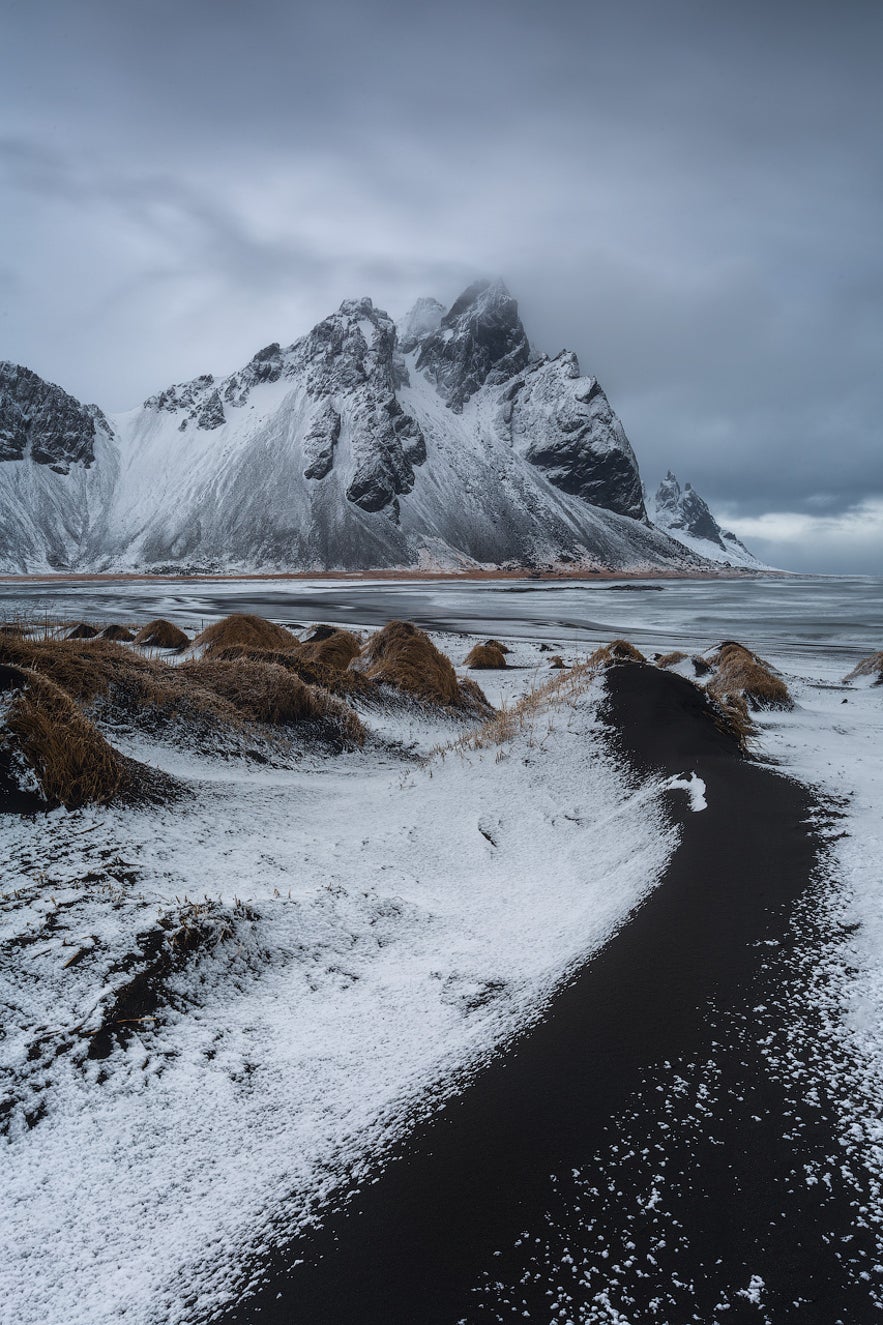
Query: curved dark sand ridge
x,y
439,1237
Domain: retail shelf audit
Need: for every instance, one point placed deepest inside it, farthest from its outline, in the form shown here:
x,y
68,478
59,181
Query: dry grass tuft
x,y
485,657
265,692
82,630
739,672
617,651
567,687
161,635
255,632
71,760
331,648
349,683
557,661
670,659
122,634
405,658
872,666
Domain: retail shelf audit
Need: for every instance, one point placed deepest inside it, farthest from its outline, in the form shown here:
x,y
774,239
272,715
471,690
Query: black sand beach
x,y
529,1196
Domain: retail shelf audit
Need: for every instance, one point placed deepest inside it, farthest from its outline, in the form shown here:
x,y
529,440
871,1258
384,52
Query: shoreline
x,y
467,576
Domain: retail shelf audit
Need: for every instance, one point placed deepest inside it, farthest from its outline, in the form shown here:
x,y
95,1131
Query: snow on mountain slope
x,y
684,515
446,443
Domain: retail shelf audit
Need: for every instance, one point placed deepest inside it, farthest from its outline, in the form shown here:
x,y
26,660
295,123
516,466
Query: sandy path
x,y
635,1152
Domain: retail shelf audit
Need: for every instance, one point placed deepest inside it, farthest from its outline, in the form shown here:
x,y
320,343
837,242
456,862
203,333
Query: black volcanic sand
x,y
636,1151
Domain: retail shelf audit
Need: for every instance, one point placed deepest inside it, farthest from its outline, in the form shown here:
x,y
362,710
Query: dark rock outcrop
x,y
480,339
682,512
41,422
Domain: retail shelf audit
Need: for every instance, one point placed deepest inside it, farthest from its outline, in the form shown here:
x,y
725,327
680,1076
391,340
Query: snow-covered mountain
x,y
682,513
444,442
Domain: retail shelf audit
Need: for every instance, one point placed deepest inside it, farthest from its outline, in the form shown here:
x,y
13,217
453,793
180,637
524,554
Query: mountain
x,y
683,514
443,442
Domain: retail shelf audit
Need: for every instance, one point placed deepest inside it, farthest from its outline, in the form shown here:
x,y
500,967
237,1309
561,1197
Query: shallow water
x,y
800,615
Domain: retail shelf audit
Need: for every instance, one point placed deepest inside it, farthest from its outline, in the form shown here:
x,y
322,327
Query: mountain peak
x,y
420,321
685,515
480,339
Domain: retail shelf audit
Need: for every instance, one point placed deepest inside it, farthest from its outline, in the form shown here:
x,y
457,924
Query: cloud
x,y
841,541
681,193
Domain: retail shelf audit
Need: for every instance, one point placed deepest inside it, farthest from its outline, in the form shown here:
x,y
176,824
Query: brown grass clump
x,y
122,634
670,659
485,657
557,661
740,672
332,648
84,670
565,688
405,658
255,632
617,651
267,693
136,688
161,634
349,683
82,631
71,760
872,666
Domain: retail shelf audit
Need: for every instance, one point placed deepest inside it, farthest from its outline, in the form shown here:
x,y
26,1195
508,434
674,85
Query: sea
x,y
801,616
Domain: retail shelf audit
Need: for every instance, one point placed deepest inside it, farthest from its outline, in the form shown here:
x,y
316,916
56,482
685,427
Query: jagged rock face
x,y
683,513
480,339
566,427
43,423
685,510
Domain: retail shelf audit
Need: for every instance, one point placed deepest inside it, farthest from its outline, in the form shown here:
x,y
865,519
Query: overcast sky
x,y
688,194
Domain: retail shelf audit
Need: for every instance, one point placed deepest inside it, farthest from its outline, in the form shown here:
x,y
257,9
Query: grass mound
x,y
741,673
872,666
71,760
82,630
126,687
265,692
405,658
315,673
617,651
331,647
161,634
665,660
121,634
254,632
486,657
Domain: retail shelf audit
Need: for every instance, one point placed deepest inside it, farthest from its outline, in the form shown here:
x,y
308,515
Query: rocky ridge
x,y
445,441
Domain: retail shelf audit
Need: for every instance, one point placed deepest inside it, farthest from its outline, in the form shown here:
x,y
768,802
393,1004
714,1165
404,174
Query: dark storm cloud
x,y
687,194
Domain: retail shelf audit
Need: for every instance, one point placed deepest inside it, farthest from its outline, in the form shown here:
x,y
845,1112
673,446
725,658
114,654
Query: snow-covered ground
x,y
383,922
